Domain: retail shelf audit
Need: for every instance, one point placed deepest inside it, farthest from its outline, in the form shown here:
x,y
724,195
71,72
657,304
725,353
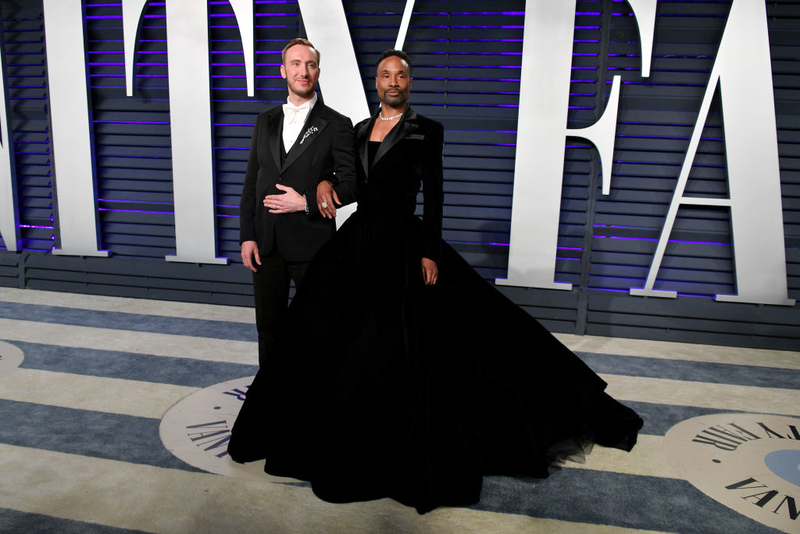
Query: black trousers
x,y
271,290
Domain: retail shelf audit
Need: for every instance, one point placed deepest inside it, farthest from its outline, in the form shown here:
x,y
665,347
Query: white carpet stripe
x,y
689,352
99,394
86,337
163,308
122,495
703,394
646,459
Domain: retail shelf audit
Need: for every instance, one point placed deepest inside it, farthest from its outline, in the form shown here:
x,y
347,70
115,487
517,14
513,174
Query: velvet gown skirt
x,y
383,387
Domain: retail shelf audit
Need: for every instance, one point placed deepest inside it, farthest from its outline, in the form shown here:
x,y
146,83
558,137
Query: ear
x,y
376,82
283,72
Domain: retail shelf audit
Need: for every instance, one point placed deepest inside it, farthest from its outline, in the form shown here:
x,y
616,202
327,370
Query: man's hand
x,y
327,199
289,202
430,272
250,253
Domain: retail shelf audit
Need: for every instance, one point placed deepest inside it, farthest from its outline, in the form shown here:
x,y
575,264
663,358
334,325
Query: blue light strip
x,y
653,239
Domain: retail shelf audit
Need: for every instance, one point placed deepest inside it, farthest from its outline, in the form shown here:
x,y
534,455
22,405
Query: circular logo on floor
x,y
10,357
748,462
197,429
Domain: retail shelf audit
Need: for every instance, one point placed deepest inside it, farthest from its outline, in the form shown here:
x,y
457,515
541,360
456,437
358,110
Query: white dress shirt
x,y
294,118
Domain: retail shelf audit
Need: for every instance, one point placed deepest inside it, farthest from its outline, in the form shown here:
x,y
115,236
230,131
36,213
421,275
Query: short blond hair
x,y
299,41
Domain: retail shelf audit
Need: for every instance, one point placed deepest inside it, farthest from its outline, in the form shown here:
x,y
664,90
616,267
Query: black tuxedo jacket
x,y
324,150
410,156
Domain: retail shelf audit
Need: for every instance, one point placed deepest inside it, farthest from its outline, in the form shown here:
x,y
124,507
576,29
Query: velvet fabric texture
x,y
383,387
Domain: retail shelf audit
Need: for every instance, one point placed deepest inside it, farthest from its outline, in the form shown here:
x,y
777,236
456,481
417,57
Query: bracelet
x,y
306,207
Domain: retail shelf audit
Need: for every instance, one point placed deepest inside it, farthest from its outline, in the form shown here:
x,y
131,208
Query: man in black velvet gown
x,y
426,378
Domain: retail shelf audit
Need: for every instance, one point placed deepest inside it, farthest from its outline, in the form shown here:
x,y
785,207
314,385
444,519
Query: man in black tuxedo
x,y
283,222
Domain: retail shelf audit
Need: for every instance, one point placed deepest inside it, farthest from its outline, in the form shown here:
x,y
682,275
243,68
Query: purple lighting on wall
x,y
516,27
132,201
129,122
36,227
499,244
670,241
138,211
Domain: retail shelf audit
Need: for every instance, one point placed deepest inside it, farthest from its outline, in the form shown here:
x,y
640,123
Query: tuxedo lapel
x,y
274,133
308,135
406,126
362,142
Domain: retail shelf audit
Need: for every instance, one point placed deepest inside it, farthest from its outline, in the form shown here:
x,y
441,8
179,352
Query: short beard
x,y
394,101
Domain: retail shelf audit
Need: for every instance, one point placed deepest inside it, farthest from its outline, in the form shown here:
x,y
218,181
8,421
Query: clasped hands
x,y
288,202
291,201
327,200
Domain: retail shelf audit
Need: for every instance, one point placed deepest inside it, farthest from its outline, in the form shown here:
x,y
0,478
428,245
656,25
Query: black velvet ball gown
x,y
384,387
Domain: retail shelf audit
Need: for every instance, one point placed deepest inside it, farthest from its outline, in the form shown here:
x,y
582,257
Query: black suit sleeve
x,y
433,193
343,177
247,205
344,159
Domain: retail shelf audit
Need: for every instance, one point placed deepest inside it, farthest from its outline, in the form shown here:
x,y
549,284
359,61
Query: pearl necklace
x,y
381,117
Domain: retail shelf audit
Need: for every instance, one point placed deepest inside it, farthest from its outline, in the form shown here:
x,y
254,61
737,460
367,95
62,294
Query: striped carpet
x,y
80,448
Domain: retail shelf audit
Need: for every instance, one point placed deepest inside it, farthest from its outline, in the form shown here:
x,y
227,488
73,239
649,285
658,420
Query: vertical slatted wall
x,y
467,57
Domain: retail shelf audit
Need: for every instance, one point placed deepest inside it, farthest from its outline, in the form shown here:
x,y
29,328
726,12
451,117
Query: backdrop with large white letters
x,y
562,172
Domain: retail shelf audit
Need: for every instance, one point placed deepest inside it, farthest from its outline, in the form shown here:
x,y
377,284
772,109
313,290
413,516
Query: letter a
x,y
752,161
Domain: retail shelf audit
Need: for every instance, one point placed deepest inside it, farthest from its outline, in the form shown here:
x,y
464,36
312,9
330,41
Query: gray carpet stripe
x,y
715,373
129,321
14,521
96,434
621,500
659,418
129,438
198,373
125,365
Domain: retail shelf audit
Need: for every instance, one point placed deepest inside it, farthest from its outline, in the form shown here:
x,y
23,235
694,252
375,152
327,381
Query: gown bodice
x,y
382,195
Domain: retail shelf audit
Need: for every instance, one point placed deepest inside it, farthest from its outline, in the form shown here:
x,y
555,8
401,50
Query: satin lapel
x,y
308,135
362,142
274,132
406,126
